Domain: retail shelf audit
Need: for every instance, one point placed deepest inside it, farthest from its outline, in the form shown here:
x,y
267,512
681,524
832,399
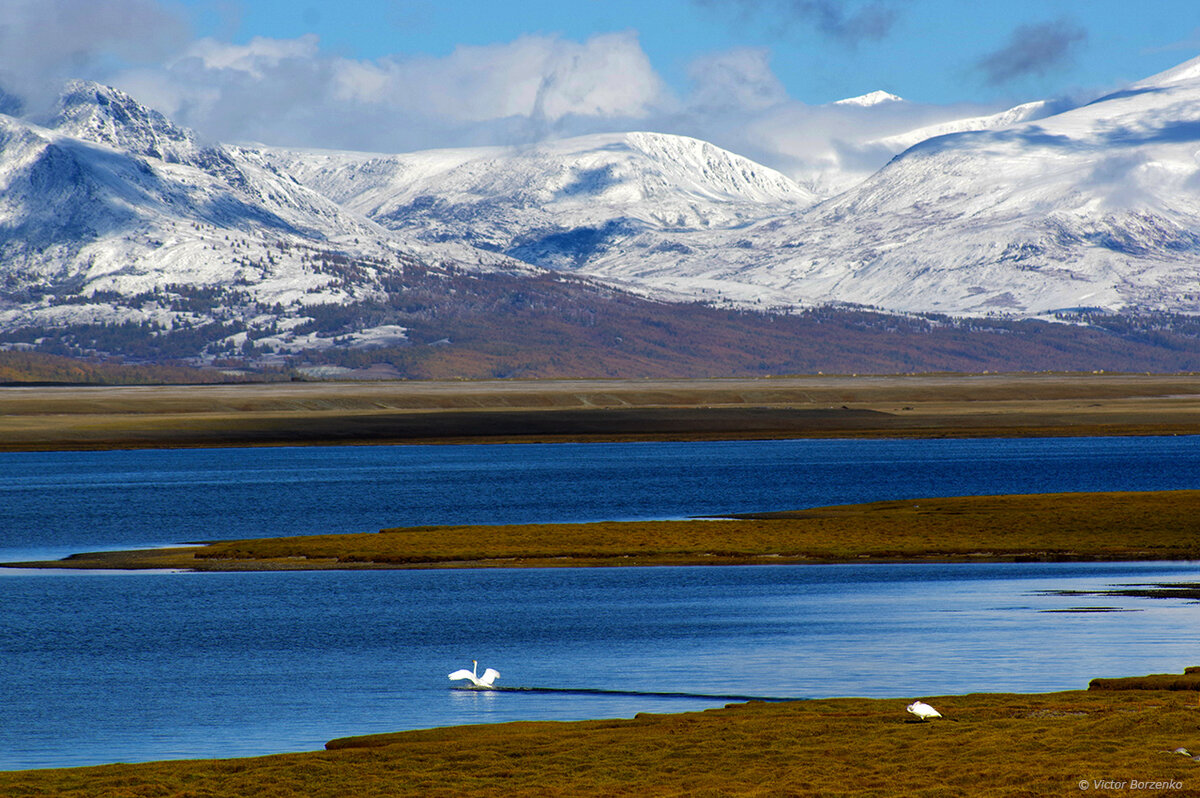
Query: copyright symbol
x,y
1083,785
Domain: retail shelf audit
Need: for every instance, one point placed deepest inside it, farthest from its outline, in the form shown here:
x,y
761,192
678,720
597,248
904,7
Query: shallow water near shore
x,y
103,667
133,667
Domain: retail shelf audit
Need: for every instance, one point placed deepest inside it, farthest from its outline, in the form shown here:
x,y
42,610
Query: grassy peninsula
x,y
985,745
1066,526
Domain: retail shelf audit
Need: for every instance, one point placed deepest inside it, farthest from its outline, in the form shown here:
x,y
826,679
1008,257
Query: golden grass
x,y
1067,526
986,745
1190,680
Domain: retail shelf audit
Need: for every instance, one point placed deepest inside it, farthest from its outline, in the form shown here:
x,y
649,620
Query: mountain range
x,y
124,234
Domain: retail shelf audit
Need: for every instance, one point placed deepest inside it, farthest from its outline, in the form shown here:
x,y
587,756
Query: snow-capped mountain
x,y
1021,213
1026,112
1094,207
198,175
111,214
555,204
870,98
866,132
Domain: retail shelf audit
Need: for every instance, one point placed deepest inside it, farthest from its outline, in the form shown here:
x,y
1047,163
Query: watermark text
x,y
1130,785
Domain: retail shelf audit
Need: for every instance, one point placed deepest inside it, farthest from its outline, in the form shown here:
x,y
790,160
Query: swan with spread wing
x,y
483,682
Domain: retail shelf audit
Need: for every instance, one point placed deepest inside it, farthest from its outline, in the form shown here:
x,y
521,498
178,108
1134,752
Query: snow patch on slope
x,y
1013,116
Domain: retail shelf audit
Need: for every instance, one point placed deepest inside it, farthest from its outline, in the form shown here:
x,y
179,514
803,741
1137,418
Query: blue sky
x,y
924,50
754,76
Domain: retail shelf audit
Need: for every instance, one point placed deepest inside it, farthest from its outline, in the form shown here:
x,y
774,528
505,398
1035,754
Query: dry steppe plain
x,y
939,405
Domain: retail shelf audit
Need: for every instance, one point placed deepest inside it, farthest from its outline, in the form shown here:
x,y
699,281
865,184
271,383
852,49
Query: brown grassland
x,y
985,745
1082,526
936,405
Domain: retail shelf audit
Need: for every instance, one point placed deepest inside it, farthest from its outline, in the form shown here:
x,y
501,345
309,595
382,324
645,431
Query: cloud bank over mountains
x,y
295,92
292,92
44,43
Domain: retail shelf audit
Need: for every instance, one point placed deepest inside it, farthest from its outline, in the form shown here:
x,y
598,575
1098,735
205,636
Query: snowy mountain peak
x,y
1025,112
869,99
712,171
1094,207
556,202
104,115
1188,70
250,191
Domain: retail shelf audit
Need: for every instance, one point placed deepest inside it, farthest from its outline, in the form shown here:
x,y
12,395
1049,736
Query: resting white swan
x,y
923,711
486,680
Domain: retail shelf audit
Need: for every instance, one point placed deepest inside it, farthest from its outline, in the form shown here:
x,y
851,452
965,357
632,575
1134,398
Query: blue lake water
x,y
102,667
57,503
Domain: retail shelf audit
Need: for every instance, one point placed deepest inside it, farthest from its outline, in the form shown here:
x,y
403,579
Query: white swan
x,y
485,681
923,711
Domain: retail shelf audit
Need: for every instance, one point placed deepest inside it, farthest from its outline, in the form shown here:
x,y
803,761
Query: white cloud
x,y
255,59
738,79
290,92
737,102
535,76
361,82
44,42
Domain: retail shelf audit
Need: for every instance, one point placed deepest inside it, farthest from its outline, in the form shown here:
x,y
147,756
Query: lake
x,y
58,503
104,667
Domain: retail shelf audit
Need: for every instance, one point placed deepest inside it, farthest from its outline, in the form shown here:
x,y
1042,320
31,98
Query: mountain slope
x,y
1095,207
122,234
112,215
557,204
1023,212
1026,112
866,132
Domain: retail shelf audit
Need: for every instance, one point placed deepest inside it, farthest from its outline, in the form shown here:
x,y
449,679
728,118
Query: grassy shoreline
x,y
1120,526
987,744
